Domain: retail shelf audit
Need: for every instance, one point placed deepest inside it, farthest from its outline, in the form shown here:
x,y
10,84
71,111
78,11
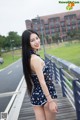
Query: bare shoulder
x,y
35,60
36,64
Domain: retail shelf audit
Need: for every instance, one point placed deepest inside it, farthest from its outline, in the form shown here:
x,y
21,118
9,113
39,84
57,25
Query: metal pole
x,y
12,47
41,33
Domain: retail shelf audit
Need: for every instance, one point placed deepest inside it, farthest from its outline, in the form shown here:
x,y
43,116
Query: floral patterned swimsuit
x,y
37,96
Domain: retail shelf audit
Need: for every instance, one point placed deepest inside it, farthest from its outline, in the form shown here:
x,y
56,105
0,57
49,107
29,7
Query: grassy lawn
x,y
10,57
66,51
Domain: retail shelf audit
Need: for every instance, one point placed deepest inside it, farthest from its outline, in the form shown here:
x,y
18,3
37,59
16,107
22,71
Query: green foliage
x,y
71,33
74,34
12,40
55,38
14,36
2,41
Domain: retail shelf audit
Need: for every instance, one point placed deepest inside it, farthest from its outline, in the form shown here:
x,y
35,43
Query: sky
x,y
13,13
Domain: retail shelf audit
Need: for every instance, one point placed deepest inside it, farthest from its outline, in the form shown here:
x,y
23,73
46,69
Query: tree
x,y
56,38
14,36
71,33
78,34
2,41
53,38
5,42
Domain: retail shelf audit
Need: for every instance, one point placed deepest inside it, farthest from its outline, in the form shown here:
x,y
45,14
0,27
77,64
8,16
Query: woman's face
x,y
34,41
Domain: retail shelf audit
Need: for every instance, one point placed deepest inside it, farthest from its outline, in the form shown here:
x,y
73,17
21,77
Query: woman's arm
x,y
36,64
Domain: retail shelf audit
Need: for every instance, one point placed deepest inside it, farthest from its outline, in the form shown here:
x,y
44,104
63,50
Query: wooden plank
x,y
65,109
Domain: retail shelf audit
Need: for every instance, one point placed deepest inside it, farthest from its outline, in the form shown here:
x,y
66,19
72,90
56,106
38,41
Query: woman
x,y
40,87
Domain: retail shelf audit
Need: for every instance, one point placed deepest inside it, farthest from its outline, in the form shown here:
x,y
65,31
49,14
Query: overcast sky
x,y
13,13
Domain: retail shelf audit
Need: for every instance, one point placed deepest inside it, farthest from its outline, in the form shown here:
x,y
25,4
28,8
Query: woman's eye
x,y
31,40
36,37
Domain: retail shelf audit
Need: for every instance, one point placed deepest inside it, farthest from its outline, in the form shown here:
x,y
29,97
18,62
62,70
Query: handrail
x,y
6,115
6,94
67,75
13,97
67,65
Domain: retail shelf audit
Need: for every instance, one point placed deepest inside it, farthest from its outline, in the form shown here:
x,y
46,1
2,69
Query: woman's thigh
x,y
39,112
48,114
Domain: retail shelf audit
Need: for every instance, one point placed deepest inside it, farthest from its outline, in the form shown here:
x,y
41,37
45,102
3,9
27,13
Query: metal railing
x,y
13,108
67,75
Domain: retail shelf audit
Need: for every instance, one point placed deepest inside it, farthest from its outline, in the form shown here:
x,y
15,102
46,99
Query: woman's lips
x,y
36,45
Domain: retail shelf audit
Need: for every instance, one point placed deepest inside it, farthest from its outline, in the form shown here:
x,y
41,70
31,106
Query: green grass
x,y
10,57
66,51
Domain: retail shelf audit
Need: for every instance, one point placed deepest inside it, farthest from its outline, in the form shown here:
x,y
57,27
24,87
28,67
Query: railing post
x,y
76,98
62,83
51,69
55,73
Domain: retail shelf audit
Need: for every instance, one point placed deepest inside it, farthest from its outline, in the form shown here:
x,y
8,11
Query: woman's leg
x,y
39,112
49,115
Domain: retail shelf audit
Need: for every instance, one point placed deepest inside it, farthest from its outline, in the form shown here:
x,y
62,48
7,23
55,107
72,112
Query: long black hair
x,y
26,55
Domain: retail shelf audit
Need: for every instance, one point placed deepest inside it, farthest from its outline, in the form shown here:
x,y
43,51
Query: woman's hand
x,y
53,106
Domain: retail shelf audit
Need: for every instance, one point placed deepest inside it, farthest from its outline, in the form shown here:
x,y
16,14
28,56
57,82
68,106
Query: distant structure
x,y
59,23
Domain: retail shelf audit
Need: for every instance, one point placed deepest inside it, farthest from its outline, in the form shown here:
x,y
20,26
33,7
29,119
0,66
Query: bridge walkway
x,y
65,109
